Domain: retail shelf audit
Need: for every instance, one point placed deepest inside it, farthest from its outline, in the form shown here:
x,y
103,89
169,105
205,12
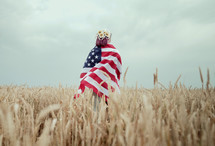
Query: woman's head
x,y
103,38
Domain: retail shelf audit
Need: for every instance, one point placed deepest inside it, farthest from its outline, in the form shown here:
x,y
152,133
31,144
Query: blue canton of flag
x,y
93,58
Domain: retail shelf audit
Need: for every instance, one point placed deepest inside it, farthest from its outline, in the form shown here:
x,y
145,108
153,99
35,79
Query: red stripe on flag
x,y
113,65
102,68
100,94
99,80
85,83
114,54
82,87
109,46
82,75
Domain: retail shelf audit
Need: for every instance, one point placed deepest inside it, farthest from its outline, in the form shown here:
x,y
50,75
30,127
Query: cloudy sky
x,y
45,42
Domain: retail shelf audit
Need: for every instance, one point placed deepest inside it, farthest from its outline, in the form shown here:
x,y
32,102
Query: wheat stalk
x,y
156,78
200,71
124,77
177,81
208,81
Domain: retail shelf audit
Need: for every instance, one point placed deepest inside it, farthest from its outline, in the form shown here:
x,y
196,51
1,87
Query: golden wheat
x,y
50,116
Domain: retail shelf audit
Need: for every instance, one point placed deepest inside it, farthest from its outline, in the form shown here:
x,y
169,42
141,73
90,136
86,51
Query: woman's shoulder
x,y
109,46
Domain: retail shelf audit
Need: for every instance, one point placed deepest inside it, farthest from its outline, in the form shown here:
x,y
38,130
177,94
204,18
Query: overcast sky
x,y
45,42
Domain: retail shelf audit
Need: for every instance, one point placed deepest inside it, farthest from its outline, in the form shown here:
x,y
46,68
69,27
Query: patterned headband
x,y
103,34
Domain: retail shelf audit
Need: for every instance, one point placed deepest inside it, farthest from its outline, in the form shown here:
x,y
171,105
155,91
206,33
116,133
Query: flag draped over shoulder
x,y
102,69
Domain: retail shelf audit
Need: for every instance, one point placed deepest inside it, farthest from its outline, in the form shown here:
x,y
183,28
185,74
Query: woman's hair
x,y
101,42
103,38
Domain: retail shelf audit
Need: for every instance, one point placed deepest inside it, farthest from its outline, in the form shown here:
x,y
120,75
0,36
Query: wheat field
x,y
43,116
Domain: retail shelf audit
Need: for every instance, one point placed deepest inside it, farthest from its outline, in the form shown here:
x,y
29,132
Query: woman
x,y
102,69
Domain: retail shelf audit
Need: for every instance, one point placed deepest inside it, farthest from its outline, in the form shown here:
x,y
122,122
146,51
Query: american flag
x,y
103,66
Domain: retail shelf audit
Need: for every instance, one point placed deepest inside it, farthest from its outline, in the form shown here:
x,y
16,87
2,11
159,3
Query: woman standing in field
x,y
102,69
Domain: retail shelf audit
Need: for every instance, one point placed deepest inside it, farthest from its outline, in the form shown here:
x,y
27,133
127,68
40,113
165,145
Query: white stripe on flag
x,y
88,73
96,85
116,61
79,91
110,50
85,70
109,68
105,78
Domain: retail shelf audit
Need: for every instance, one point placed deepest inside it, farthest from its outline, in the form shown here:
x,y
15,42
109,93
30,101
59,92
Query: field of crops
x,y
40,116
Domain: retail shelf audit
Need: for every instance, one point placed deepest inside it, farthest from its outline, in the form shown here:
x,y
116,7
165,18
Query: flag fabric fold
x,y
102,70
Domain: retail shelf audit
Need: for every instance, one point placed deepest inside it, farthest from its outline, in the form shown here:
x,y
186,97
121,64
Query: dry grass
x,y
50,116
